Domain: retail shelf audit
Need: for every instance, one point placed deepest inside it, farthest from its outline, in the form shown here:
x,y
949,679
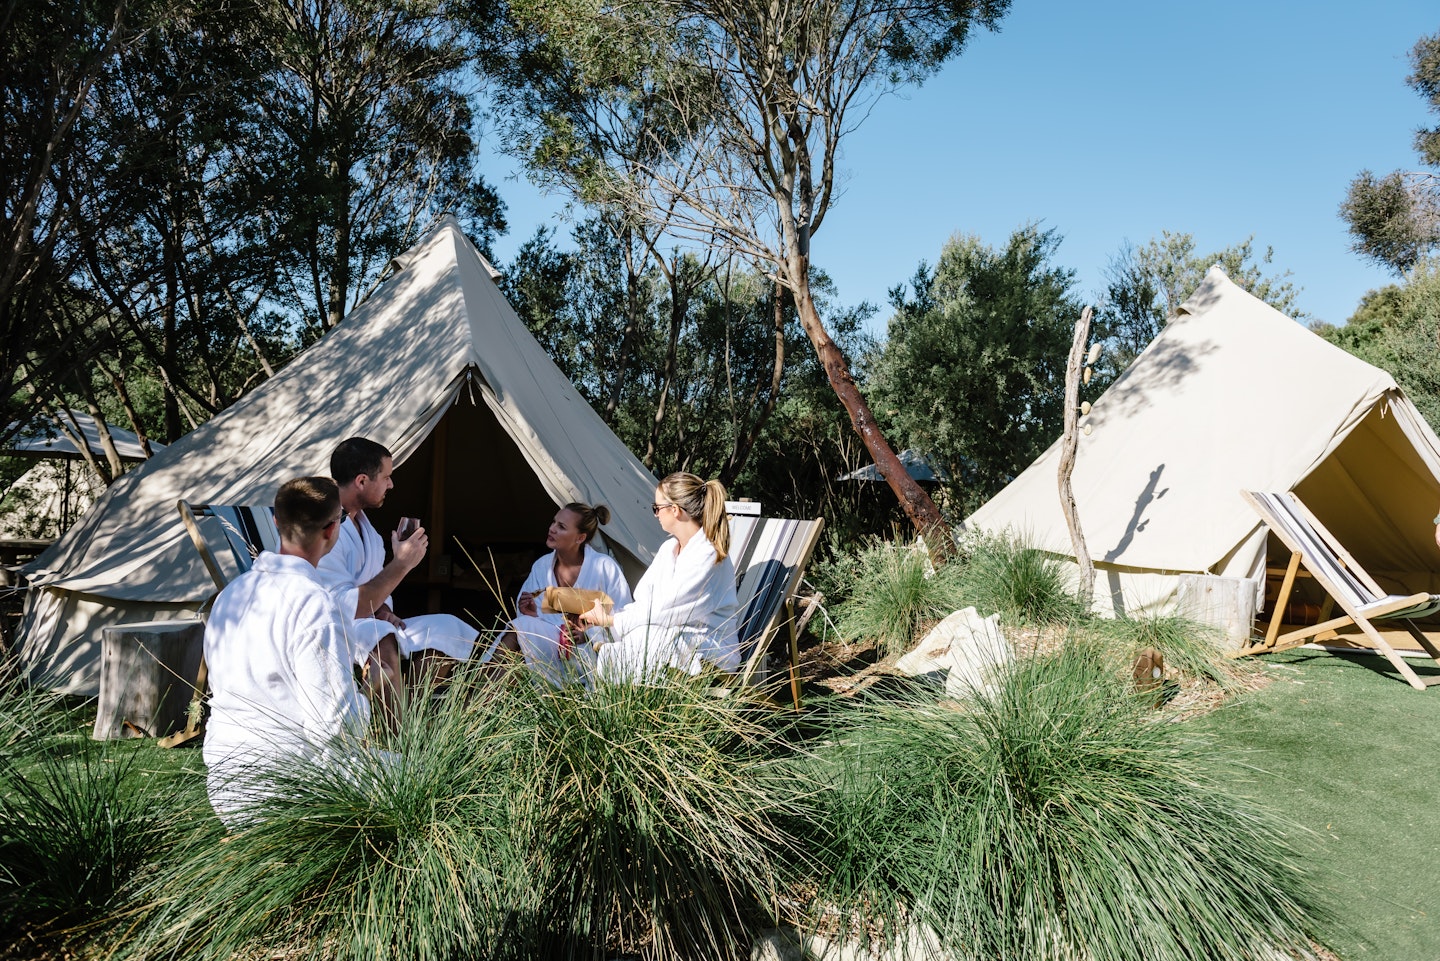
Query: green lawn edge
x,y
1347,749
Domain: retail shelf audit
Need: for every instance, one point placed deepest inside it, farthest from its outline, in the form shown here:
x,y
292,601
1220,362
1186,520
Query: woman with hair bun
x,y
684,611
549,641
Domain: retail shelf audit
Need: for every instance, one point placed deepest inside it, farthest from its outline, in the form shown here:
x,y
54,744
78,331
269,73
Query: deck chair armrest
x,y
1396,606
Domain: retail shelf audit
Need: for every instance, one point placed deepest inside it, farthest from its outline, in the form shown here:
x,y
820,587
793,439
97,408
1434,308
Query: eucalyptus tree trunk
x,y
1069,444
918,506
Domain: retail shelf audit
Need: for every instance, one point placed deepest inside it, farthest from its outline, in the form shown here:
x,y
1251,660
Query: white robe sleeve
x,y
539,577
602,573
685,594
332,706
356,557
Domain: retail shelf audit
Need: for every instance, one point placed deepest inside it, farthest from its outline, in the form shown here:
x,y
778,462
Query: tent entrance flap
x,y
483,508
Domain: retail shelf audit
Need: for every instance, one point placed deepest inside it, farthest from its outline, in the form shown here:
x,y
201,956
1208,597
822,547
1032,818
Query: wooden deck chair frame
x,y
245,537
770,597
1345,582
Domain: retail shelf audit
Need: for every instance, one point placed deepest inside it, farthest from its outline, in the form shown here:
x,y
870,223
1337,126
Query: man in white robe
x,y
361,581
282,686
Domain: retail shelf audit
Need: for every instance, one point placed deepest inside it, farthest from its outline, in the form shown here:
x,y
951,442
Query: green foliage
x,y
514,820
414,854
972,372
608,327
658,832
1051,819
1024,584
1189,648
894,592
1145,287
1395,219
678,358
80,821
1398,330
235,177
675,117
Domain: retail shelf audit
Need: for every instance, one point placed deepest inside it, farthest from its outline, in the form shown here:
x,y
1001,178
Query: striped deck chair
x,y
1355,592
770,555
228,539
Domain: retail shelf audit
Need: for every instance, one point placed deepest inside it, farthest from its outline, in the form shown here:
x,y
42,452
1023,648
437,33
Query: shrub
x,y
1049,820
1024,584
895,591
514,821
407,855
658,825
80,821
1190,648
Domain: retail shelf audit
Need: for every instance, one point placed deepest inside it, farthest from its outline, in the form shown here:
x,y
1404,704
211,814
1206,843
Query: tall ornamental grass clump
x,y
508,819
1190,648
893,592
657,817
1024,584
1049,819
412,850
81,822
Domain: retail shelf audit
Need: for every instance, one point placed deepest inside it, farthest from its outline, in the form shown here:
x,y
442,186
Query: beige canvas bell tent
x,y
1234,395
488,435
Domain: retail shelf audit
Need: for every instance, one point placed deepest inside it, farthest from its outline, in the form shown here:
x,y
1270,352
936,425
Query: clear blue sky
x,y
1114,121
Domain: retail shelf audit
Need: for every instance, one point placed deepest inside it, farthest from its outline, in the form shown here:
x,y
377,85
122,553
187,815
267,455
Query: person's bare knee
x,y
384,679
388,652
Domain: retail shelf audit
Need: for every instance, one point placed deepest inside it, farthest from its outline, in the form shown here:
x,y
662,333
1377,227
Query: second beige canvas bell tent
x,y
488,435
1231,396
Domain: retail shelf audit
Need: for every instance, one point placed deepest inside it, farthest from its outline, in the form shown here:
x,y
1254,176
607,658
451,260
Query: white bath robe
x,y
282,688
357,557
539,634
684,613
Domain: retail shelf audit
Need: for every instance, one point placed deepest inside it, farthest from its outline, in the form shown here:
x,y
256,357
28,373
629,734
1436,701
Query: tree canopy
x,y
209,184
721,121
972,370
1395,218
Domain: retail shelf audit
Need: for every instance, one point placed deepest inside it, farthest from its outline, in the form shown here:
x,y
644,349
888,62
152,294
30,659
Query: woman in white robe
x,y
684,613
551,648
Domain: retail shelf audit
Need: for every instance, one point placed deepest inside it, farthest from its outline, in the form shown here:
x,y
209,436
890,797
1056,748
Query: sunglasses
x,y
657,508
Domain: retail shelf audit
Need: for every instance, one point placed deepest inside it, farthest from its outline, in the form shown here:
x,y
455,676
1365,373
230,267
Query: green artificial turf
x,y
1348,749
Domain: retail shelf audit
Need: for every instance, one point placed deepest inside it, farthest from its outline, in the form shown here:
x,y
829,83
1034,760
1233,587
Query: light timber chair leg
x,y
1406,671
1423,641
194,718
1272,630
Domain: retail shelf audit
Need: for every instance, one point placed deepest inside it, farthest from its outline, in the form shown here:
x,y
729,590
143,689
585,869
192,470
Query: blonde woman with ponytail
x,y
684,613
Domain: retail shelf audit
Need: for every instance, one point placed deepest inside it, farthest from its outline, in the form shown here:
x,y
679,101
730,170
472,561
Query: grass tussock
x,y
1191,649
659,806
406,851
1025,585
894,592
1051,819
508,820
81,822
